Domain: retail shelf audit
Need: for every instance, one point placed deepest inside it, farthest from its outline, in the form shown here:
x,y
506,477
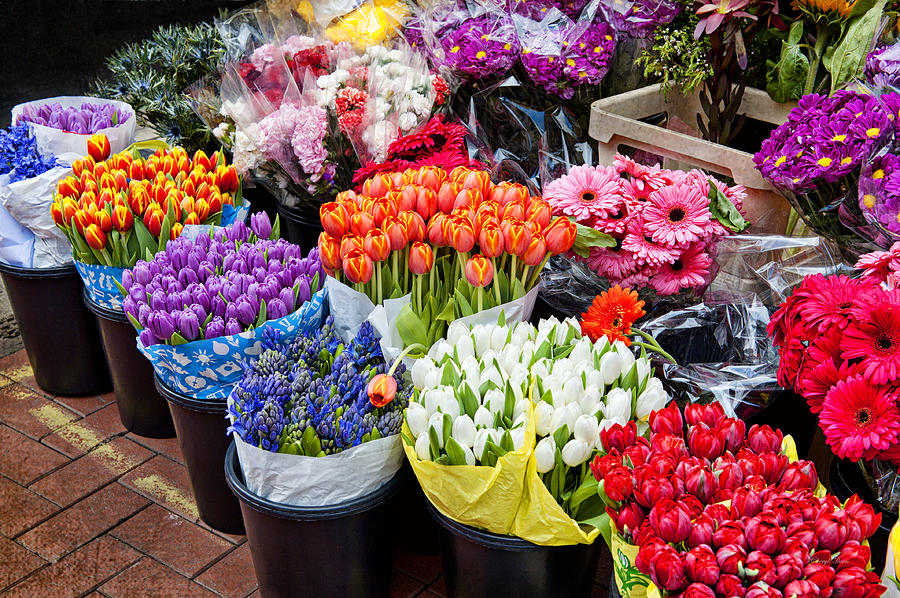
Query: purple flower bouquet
x,y
883,67
63,124
199,304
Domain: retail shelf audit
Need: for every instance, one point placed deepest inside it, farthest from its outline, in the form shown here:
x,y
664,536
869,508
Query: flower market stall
x,y
582,297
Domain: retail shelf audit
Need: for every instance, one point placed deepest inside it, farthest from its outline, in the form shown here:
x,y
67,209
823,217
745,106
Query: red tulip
x,y
377,245
820,574
705,443
201,160
730,585
802,588
479,271
667,420
669,443
710,414
619,483
153,220
670,521
762,590
95,236
863,513
358,266
763,533
788,567
832,530
763,439
350,242
628,518
802,475
421,258
698,590
729,533
702,528
330,252
98,147
701,566
414,225
381,390
446,196
226,177
734,431
730,557
601,465
701,482
122,218
667,570
560,235
647,553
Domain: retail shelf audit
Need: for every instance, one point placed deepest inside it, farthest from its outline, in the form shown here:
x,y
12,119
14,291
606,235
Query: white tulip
x,y
465,347
470,456
416,418
508,358
626,354
601,346
541,371
643,369
594,378
543,415
618,404
526,352
494,435
582,352
521,419
419,371
483,418
429,399
472,372
455,331
439,350
518,437
482,337
573,410
436,421
545,454
448,404
499,335
591,400
586,428
610,367
491,373
521,408
522,333
433,378
566,331
464,430
494,400
423,447
654,397
559,419
518,380
547,327
576,452
481,438
572,391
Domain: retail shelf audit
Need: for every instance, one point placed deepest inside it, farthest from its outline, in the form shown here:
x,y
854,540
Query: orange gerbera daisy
x,y
611,315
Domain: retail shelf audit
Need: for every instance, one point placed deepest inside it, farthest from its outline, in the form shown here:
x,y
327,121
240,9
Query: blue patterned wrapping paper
x,y
100,282
209,369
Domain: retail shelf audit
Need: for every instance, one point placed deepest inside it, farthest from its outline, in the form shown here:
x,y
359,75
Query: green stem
x,y
480,291
404,353
513,270
651,344
793,219
494,283
394,259
816,58
378,277
537,273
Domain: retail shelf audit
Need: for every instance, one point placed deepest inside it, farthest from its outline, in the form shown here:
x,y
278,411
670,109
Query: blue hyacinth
x,y
19,155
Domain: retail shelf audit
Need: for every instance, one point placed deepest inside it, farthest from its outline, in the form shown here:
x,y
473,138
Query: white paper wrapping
x,y
302,481
16,241
59,142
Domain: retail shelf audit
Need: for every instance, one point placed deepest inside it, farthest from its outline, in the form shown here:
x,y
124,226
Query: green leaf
x,y
465,307
470,402
787,77
561,436
448,313
434,446
446,428
411,329
310,443
588,237
450,376
506,442
135,323
165,231
455,452
177,339
509,401
850,52
261,318
724,211
501,322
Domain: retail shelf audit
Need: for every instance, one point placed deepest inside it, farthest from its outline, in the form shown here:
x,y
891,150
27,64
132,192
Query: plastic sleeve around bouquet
x,y
57,142
209,368
369,23
240,31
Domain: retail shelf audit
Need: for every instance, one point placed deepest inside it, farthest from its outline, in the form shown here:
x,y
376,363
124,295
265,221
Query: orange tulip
x,y
215,202
447,196
98,147
201,160
105,221
80,165
192,218
462,235
537,250
213,160
183,165
68,208
153,218
358,266
349,243
479,271
188,187
69,186
539,212
381,390
56,213
121,180
329,252
106,197
396,232
175,231
426,202
405,198
201,208
122,218
516,237
227,179
431,177
505,193
81,220
485,219
421,258
361,223
378,186
335,219
513,211
100,169
377,245
490,241
560,235
202,190
95,237
139,200
414,225
435,230
382,208
479,181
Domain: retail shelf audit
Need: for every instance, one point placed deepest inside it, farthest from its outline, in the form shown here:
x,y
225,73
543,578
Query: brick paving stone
x,y
77,438
31,414
17,368
29,460
82,522
86,405
404,586
173,540
16,562
91,472
439,586
166,483
149,579
233,575
20,508
425,568
164,446
79,571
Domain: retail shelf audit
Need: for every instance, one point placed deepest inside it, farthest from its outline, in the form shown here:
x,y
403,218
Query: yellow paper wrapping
x,y
630,582
891,576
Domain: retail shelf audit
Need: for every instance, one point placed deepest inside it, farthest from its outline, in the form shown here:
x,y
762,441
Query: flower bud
x,y
670,521
731,558
701,565
763,439
545,454
710,414
423,447
416,418
576,452
464,430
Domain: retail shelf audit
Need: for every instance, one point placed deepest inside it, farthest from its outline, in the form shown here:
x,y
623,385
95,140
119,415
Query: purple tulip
x,y
246,313
232,327
161,324
188,325
173,302
215,328
287,298
275,309
218,306
147,338
141,273
276,253
188,276
144,312
200,296
138,293
303,293
238,232
230,311
127,280
229,261
129,306
158,300
261,225
259,274
275,267
213,285
199,312
268,290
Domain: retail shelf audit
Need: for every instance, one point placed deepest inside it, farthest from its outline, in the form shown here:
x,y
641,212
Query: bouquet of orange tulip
x,y
454,241
118,209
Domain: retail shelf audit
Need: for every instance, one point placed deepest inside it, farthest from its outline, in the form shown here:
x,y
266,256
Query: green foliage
x,y
676,59
153,74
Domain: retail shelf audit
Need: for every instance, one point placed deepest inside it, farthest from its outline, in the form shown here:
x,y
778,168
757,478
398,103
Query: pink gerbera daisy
x,y
638,280
859,418
615,222
645,249
790,355
676,215
688,270
642,180
814,383
586,193
613,263
875,339
828,300
879,264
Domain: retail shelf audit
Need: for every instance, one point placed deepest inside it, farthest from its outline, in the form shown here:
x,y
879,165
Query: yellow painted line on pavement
x,y
163,489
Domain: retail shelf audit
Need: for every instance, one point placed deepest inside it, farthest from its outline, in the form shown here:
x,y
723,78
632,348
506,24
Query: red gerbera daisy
x,y
814,383
790,356
859,418
828,300
875,338
373,168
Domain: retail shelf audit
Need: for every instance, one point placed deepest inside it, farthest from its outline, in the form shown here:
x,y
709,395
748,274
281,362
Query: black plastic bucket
x,y
336,551
478,563
201,427
846,480
141,409
420,532
59,333
300,227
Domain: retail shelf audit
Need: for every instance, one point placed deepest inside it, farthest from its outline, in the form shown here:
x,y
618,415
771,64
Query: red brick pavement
x,y
88,509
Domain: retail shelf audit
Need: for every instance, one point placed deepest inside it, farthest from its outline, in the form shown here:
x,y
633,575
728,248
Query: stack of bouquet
x,y
306,430
117,209
491,400
199,304
658,227
454,242
839,345
719,510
